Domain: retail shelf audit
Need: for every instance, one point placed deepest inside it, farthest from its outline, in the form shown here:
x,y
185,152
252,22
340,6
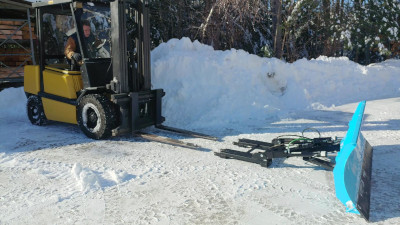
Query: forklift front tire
x,y
35,110
96,116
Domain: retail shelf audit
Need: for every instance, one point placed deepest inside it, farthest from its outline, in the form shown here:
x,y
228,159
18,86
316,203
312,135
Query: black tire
x,y
34,108
27,95
96,116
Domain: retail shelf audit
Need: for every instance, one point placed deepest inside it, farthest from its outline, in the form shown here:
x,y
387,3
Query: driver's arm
x,y
70,48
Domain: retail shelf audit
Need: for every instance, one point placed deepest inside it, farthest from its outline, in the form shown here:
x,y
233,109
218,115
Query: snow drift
x,y
12,105
208,88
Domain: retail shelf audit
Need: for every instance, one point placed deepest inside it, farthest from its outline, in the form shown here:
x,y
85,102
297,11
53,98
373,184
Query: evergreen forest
x,y
365,31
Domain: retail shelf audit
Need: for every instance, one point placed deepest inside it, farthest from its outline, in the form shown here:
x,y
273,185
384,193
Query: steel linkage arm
x,y
264,152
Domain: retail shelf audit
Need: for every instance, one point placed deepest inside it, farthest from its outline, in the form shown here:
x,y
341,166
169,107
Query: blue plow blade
x,y
352,172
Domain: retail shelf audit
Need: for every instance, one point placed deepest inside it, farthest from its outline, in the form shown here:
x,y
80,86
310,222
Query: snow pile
x,y
209,86
90,180
86,178
12,105
206,87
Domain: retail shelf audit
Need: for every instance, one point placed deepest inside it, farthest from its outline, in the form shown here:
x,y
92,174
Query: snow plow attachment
x,y
352,172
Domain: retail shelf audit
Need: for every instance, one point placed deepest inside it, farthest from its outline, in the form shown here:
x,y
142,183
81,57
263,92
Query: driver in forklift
x,y
72,50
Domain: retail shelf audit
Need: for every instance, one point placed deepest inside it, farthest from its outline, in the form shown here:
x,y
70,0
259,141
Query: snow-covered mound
x,y
206,87
12,105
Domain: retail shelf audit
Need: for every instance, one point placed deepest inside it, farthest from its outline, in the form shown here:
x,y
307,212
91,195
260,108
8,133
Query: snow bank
x,y
208,88
12,105
204,85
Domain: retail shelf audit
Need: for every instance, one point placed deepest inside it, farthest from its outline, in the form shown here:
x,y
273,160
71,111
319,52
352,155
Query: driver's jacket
x,y
72,45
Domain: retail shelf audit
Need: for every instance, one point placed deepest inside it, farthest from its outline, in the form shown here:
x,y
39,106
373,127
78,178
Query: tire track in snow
x,y
31,180
288,183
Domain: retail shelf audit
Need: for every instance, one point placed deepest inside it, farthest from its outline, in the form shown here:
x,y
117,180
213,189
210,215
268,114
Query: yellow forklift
x,y
108,91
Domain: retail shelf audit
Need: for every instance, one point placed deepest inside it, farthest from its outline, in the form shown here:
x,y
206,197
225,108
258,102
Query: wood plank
x,y
10,63
12,76
26,36
18,23
22,58
26,28
21,51
5,72
11,32
8,27
14,50
13,23
16,74
21,63
13,58
3,22
13,37
3,76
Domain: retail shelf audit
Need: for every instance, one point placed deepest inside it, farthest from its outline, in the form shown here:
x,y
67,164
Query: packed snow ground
x,y
55,175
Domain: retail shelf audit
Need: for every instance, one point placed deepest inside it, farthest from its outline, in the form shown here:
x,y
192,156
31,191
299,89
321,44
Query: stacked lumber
x,y
10,27
12,55
11,72
15,56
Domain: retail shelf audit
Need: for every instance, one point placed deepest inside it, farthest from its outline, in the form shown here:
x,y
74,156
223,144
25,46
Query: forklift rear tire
x,y
96,116
35,110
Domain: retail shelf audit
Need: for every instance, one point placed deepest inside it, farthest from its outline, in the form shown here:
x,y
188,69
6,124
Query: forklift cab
x,y
60,22
109,93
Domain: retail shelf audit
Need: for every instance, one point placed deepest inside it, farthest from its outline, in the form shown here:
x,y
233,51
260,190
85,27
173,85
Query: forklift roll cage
x,y
119,42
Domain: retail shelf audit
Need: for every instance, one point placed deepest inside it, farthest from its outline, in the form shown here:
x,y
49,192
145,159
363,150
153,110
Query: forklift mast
x,y
130,40
130,37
